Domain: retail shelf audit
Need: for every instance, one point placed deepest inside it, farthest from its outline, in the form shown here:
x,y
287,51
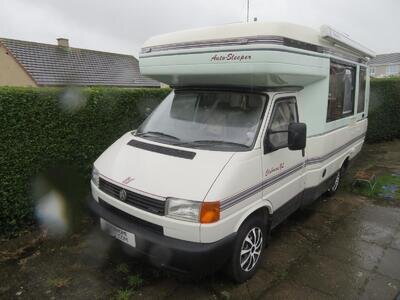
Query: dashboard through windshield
x,y
213,120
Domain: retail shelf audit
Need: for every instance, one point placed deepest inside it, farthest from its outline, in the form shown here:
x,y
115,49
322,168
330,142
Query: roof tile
x,y
386,59
51,65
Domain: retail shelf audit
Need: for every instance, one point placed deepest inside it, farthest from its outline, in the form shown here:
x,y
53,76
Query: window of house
x,y
341,91
362,84
392,70
372,71
284,113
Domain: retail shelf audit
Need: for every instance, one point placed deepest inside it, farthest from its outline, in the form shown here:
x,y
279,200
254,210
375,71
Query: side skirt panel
x,y
300,200
313,193
286,210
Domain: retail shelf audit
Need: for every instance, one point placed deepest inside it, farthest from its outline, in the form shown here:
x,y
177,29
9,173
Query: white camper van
x,y
262,120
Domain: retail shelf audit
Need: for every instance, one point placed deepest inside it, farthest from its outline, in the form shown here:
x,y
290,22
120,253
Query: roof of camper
x,y
235,30
255,29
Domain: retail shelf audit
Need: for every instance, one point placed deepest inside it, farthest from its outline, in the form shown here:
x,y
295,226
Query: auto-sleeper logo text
x,y
230,57
269,171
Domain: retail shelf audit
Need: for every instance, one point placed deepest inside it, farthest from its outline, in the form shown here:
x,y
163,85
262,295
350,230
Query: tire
x,y
336,183
251,238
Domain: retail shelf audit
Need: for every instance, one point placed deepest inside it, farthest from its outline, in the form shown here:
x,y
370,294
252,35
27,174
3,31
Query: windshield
x,y
206,119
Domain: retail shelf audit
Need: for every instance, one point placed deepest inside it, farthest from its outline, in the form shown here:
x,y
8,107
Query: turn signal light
x,y
210,212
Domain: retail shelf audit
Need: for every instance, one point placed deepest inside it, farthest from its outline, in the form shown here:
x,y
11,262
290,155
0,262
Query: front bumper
x,y
167,252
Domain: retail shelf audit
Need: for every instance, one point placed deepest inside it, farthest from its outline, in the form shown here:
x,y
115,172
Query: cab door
x,y
283,169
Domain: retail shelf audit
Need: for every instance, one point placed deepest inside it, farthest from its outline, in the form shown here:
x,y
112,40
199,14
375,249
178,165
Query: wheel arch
x,y
345,163
263,209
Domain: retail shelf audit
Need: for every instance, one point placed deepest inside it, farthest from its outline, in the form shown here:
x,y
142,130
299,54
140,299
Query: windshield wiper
x,y
211,142
157,133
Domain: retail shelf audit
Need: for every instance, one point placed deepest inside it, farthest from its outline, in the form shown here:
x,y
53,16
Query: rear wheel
x,y
335,185
248,250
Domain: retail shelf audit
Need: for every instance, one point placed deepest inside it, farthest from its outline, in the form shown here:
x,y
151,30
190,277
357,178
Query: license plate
x,y
118,233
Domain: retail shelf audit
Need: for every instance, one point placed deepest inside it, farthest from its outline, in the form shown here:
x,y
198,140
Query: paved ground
x,y
343,247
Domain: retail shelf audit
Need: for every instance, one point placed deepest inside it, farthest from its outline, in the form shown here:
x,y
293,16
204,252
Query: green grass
x,y
124,294
135,281
122,268
382,187
282,274
59,282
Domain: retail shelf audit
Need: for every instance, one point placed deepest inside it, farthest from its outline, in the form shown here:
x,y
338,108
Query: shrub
x,y
384,110
53,131
42,129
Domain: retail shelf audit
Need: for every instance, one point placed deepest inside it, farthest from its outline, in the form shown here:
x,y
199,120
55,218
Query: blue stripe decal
x,y
316,160
231,201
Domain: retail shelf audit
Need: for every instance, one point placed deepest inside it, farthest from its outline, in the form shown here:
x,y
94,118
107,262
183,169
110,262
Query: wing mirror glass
x,y
297,136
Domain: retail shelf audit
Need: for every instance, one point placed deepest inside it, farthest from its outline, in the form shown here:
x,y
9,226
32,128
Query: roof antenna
x,y
248,9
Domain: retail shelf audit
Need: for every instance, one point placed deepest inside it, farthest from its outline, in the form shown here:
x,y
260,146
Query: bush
x,y
60,132
384,110
42,129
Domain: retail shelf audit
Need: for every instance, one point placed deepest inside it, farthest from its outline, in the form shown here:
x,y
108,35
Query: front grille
x,y
137,200
131,219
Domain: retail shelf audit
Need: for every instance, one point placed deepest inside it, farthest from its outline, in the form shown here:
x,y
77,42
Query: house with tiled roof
x,y
24,63
384,65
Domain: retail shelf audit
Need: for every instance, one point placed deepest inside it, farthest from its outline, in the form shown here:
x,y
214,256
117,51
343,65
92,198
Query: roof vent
x,y
62,42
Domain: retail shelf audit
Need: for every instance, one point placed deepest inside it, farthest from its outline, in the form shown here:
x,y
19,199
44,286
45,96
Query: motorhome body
x,y
221,161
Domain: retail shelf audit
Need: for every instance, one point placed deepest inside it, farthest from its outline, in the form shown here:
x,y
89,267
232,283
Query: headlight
x,y
183,209
193,211
95,176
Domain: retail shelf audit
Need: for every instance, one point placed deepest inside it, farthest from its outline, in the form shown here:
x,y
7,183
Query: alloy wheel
x,y
336,183
251,249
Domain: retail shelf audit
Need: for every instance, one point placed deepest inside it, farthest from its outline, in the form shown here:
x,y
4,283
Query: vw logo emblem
x,y
122,195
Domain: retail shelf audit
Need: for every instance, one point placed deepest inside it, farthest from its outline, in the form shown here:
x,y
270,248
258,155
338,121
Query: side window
x,y
362,84
392,70
341,91
284,113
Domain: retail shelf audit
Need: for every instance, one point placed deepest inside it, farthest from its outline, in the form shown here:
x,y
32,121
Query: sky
x,y
122,26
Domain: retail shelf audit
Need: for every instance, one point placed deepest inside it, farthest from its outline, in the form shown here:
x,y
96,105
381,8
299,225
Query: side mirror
x,y
297,136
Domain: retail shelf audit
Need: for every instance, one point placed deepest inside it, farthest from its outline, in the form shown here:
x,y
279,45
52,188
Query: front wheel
x,y
248,250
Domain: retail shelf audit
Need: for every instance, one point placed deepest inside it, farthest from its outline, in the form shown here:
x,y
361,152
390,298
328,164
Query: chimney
x,y
62,42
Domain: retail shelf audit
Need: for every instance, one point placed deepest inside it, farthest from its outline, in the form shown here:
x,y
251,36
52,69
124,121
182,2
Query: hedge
x,y
56,134
384,110
59,133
